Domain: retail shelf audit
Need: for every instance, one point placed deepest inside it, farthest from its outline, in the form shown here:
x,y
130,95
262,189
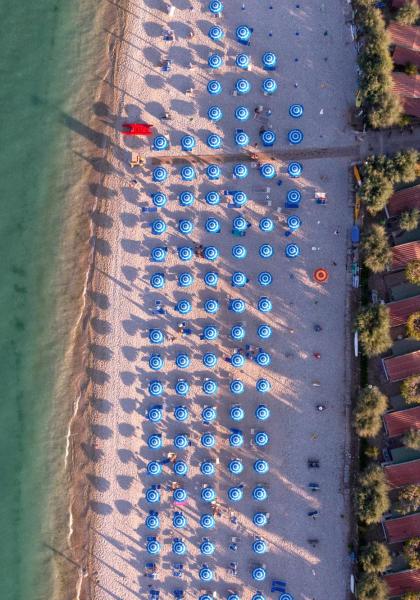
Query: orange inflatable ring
x,y
321,275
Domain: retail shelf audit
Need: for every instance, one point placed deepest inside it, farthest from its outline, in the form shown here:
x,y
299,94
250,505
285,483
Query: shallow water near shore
x,y
47,49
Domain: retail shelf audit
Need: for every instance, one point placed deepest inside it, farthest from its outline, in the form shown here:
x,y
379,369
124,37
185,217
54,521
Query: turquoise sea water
x,y
45,51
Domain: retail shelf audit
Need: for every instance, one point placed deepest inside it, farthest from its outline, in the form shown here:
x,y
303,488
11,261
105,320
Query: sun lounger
x,y
278,586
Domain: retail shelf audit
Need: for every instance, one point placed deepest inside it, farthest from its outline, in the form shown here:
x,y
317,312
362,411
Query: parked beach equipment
x,y
296,110
295,136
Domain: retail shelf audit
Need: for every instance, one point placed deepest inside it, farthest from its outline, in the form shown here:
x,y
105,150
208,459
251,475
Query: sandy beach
x,y
110,428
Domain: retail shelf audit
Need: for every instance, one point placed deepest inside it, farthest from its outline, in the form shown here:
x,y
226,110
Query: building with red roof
x,y
400,310
399,422
400,367
405,199
400,3
402,582
407,36
405,56
407,87
403,254
401,528
404,473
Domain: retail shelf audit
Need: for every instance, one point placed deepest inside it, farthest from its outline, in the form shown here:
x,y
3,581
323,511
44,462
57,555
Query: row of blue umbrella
x,y
239,198
179,547
210,387
242,113
209,414
207,521
236,467
183,360
208,494
188,173
181,441
243,61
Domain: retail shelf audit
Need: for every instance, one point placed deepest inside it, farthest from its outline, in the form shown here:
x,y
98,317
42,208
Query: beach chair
x,y
154,594
149,209
320,198
136,160
277,585
166,65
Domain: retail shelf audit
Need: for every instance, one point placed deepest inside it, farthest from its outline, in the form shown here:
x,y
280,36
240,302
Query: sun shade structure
x,y
188,143
265,305
264,332
215,114
237,387
216,7
188,173
212,225
209,414
160,142
159,199
208,494
240,171
179,495
262,412
243,34
237,305
153,547
260,519
211,306
210,360
213,172
265,278
241,138
261,439
185,280
212,198
184,306
259,493
263,386
159,174
186,198
181,441
214,87
181,413
207,548
152,495
237,413
181,468
235,466
296,111
207,468
152,521
185,253
215,61
158,254
182,387
241,113
157,280
295,136
179,547
154,441
154,468
293,198
158,226
211,278
243,61
242,86
214,141
294,169
259,546
207,521
155,414
267,171
292,251
216,33
269,86
293,222
179,520
235,494
239,279
268,138
269,61
205,574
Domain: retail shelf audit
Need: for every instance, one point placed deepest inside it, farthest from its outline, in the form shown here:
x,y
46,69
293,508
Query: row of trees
x,y
409,13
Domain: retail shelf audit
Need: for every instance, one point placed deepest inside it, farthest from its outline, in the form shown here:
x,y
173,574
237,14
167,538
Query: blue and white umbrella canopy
x,y
184,306
152,495
296,110
242,61
160,143
258,596
259,546
239,224
211,253
212,198
263,386
214,87
235,494
159,199
268,137
269,86
210,387
237,332
179,547
157,281
159,174
214,141
241,113
158,254
155,414
186,198
235,466
156,362
209,414
215,61
158,226
185,253
153,547
237,360
269,61
261,466
262,412
237,413
185,280
207,468
155,388
242,86
259,574
239,279
265,278
215,114
233,597
285,597
179,520
259,493
240,171
181,468
295,136
261,439
152,521
266,251
211,278
154,441
293,197
216,7
188,173
267,171
240,198
263,359
205,574
181,441
264,331
207,521
210,332
205,597
211,306
266,225
188,143
208,494
181,413
213,172
236,386
208,440
179,495
185,226
210,360
237,305
292,251
243,34
294,169
154,468
265,305
182,361
293,222
216,33
182,387
212,225
207,548
236,439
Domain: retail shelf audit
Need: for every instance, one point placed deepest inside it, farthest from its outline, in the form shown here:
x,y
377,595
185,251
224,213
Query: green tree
x,y
412,272
409,220
370,406
409,13
411,596
403,168
412,439
373,325
377,255
372,587
372,495
375,558
408,499
410,389
411,551
413,326
375,192
411,70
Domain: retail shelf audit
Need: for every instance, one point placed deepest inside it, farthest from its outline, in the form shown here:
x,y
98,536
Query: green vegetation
x,y
410,389
370,406
409,499
373,326
410,70
411,551
372,495
376,252
411,596
409,13
412,272
413,326
412,439
372,587
409,220
375,558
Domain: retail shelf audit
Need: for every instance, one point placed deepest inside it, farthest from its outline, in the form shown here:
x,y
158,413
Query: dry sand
x,y
121,301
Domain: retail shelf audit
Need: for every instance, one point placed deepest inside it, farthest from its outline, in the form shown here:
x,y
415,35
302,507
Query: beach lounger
x,y
149,209
278,586
136,160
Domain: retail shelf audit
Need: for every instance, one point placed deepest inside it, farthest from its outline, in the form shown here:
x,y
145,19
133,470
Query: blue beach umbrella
x,y
185,280
186,198
209,360
240,171
285,597
293,198
294,169
265,278
181,413
212,225
185,253
261,467
267,171
264,331
263,359
154,468
268,138
211,278
259,574
212,198
179,520
240,198
154,441
159,199
207,521
188,143
152,495
261,439
179,495
269,86
215,114
262,412
181,441
207,548
214,87
237,413
265,305
296,110
295,136
205,574
235,494
266,225
205,597
236,386
208,494
292,251
239,279
266,251
239,224
208,440
207,468
182,361
259,547
237,305
263,386
242,61
159,174
241,113
156,362
258,596
243,34
215,7
215,61
160,142
182,387
211,253
269,61
237,332
259,493
153,547
209,414
158,226
237,360
152,521
293,222
185,226
211,306
210,332
235,466
155,388
236,439
158,254
216,33
210,387
184,307
188,173
242,86
213,172
214,141
180,468
155,414
233,597
179,547
157,280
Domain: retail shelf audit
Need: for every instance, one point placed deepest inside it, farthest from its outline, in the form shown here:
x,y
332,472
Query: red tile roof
x,y
406,85
404,200
403,56
401,421
398,368
404,581
411,106
402,528
400,310
399,3
404,35
403,254
405,473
